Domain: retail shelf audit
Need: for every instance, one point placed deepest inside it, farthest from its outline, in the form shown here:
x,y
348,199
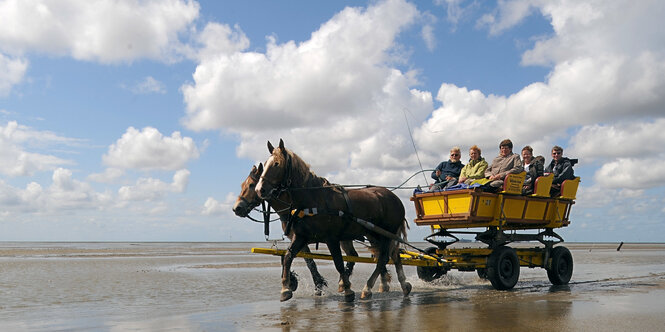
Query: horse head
x,y
248,199
274,176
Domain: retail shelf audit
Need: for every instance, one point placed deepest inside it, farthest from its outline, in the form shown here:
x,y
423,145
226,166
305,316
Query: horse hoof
x,y
349,296
318,292
366,295
407,289
286,295
340,289
384,288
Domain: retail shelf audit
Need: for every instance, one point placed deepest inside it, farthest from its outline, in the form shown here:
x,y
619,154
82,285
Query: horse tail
x,y
402,231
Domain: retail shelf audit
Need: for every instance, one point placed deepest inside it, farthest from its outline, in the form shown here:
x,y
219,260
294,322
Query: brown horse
x,y
248,200
286,173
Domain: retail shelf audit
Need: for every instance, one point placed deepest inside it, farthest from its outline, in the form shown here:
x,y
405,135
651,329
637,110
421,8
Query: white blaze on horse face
x,y
259,185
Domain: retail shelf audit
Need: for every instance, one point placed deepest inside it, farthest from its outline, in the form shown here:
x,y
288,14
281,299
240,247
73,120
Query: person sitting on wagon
x,y
447,173
505,163
475,169
533,168
562,168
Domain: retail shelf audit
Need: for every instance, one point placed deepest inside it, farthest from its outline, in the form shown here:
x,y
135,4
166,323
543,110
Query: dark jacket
x,y
447,168
535,170
562,171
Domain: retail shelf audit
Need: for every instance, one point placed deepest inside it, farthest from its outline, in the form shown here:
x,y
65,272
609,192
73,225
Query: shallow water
x,y
222,286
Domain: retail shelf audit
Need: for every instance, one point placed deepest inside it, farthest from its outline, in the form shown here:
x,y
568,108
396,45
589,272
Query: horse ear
x,y
260,168
281,146
270,147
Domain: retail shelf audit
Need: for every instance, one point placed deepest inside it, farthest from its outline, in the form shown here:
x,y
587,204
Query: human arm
x,y
566,173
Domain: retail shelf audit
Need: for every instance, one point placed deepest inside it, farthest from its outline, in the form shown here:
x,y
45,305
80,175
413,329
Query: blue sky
x,y
138,120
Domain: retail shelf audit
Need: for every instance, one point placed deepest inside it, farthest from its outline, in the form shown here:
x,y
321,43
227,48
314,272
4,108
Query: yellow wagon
x,y
501,217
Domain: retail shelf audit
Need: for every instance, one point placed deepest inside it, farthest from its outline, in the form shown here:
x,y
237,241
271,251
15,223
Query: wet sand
x,y
222,287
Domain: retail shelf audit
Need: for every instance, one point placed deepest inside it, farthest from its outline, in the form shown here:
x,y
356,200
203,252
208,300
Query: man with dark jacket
x,y
447,173
562,168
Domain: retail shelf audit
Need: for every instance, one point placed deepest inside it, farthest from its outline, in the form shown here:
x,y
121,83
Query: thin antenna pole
x,y
414,145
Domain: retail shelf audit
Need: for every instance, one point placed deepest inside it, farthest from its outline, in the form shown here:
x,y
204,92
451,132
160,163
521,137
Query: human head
x,y
557,153
474,152
455,154
506,147
527,153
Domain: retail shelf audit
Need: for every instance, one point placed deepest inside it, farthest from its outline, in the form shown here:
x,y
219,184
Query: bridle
x,y
284,185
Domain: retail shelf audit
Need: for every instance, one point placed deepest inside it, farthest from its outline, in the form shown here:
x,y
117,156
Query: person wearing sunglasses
x,y
447,172
562,168
505,163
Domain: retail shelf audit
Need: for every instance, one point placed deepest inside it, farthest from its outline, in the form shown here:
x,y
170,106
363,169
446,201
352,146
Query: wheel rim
x,y
562,269
506,269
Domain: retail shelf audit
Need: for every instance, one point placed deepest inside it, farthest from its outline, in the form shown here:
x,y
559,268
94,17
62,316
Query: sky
x,y
138,120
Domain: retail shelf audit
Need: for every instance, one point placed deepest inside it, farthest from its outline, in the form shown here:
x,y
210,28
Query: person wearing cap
x,y
505,163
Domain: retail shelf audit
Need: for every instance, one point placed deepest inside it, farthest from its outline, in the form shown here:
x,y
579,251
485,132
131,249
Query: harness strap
x,y
348,200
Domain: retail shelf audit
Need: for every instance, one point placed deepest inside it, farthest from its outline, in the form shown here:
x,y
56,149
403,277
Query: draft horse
x,y
286,173
249,199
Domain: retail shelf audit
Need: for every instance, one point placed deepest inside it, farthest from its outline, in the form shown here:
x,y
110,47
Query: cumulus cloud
x,y
150,189
213,207
148,149
329,96
100,30
64,194
603,97
12,71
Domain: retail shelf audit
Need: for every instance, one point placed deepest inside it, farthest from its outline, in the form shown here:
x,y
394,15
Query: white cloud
x,y
635,140
212,207
149,85
149,149
108,176
16,161
64,194
334,74
97,30
638,173
220,39
11,73
150,189
329,97
507,15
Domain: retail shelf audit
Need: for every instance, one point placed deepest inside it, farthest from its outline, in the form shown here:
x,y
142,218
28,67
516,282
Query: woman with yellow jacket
x,y
475,169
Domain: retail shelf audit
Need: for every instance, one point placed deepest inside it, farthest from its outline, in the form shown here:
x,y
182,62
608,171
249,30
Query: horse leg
x,y
295,247
348,248
406,286
381,260
319,280
336,252
385,281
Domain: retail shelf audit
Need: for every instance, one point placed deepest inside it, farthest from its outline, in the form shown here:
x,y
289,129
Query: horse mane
x,y
301,174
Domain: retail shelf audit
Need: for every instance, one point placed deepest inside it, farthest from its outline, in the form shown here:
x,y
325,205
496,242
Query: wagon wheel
x,y
482,273
430,273
560,267
503,268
